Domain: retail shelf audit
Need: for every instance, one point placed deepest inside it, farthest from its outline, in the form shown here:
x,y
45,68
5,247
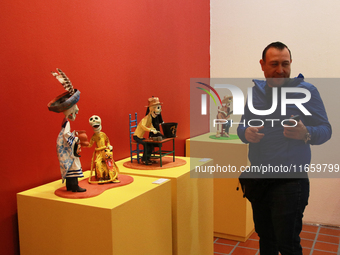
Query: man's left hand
x,y
298,132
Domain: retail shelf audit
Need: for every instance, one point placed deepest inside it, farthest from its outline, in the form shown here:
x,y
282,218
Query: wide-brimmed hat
x,y
66,100
153,101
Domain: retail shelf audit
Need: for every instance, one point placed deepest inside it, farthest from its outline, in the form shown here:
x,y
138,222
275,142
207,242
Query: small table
x,y
160,152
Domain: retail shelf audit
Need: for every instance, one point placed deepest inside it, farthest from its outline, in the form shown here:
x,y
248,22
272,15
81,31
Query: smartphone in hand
x,y
288,123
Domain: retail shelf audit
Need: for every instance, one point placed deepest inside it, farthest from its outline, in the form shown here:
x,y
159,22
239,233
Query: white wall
x,y
239,32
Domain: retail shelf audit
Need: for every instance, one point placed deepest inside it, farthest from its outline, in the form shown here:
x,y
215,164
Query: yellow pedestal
x,y
232,213
132,219
192,206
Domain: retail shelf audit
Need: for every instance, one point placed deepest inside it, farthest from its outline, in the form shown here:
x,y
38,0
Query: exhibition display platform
x,y
232,213
131,219
192,205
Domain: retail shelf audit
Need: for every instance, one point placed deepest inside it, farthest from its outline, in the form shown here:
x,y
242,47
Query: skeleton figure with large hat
x,y
145,125
68,144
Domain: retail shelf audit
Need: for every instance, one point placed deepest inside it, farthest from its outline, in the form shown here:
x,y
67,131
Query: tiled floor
x,y
315,240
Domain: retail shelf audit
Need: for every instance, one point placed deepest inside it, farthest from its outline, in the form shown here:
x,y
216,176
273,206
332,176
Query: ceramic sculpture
x,y
224,114
105,167
145,125
68,144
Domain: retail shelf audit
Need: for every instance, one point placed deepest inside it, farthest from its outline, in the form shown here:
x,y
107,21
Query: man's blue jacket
x,y
275,149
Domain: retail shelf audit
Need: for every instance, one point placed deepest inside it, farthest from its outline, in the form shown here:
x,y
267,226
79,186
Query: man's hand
x,y
252,134
298,132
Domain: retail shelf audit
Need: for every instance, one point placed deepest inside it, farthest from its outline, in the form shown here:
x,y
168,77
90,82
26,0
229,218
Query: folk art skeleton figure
x,y
224,114
105,167
145,125
156,122
68,143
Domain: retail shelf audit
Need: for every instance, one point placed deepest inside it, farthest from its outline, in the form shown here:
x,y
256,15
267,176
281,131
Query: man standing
x,y
279,198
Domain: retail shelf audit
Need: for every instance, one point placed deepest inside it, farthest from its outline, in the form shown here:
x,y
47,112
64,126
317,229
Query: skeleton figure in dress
x,y
105,167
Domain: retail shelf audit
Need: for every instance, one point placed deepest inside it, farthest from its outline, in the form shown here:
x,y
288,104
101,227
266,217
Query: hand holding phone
x,y
296,118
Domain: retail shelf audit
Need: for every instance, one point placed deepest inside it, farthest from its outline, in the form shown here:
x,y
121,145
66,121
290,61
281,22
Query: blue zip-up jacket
x,y
275,149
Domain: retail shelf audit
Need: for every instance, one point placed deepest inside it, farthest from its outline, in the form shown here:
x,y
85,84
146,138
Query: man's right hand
x,y
252,134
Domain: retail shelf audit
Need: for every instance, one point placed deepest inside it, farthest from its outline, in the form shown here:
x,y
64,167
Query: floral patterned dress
x,y
70,165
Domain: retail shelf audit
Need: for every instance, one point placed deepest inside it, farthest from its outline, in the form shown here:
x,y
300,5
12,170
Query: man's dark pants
x,y
278,217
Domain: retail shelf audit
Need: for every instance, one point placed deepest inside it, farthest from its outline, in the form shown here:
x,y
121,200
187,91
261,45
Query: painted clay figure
x,y
145,125
68,144
224,114
156,122
105,168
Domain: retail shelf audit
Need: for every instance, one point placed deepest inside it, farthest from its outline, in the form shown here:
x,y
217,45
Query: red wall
x,y
117,53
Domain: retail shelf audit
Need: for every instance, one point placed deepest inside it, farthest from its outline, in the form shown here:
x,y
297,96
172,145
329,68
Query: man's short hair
x,y
276,45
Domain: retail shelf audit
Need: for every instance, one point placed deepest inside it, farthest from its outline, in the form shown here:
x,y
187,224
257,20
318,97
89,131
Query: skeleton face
x,y
155,110
71,113
95,122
